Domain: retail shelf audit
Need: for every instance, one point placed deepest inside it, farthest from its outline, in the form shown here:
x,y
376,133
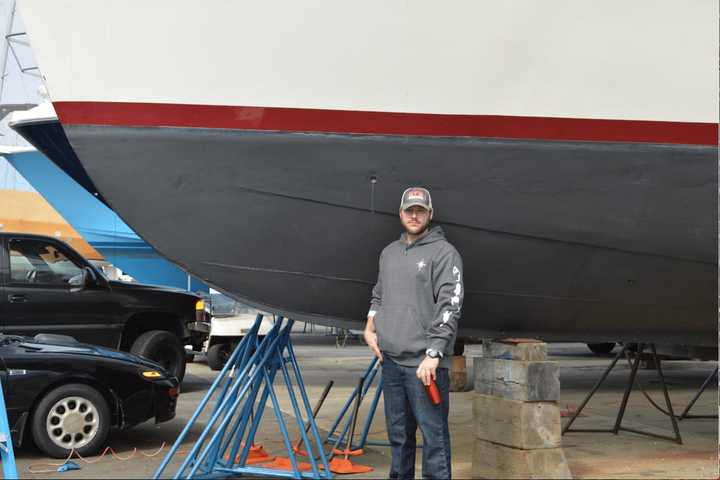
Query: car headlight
x,y
200,304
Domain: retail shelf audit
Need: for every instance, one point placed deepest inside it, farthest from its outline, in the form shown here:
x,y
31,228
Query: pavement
x,y
140,450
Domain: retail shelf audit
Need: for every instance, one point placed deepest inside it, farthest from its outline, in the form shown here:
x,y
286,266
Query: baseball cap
x,y
416,196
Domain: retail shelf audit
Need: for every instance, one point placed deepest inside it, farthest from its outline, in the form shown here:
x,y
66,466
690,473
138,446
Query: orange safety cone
x,y
344,465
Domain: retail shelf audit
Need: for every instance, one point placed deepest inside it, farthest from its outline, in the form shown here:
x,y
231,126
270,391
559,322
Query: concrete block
x,y
497,461
515,380
527,425
529,351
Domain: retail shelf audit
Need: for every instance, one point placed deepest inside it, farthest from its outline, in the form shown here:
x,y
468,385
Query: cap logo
x,y
416,195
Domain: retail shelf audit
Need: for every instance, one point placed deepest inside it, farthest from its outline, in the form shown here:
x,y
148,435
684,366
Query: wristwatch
x,y
433,353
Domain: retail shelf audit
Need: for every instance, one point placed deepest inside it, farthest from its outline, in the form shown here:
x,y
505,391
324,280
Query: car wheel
x,y
164,348
217,355
601,348
74,416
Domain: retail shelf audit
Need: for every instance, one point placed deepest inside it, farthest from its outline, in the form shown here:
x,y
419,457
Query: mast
x,y
6,45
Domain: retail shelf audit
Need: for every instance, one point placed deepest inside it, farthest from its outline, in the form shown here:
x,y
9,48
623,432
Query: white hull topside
x,y
638,60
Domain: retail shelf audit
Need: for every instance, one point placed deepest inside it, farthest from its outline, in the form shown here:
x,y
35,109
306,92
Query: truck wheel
x,y
164,348
217,355
74,416
601,348
189,357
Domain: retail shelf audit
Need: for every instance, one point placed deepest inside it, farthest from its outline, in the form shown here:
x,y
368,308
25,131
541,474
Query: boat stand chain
x,y
628,388
226,445
373,371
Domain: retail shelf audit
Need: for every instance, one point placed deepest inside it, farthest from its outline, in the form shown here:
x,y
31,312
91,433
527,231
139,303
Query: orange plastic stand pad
x,y
352,453
257,454
284,463
344,466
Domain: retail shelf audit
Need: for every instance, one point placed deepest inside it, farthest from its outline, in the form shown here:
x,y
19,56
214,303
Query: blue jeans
x,y
406,406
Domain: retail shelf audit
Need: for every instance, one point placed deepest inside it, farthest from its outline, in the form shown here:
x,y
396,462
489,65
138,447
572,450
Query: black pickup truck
x,y
47,287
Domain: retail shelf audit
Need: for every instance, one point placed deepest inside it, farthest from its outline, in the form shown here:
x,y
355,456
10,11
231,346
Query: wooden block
x,y
517,424
457,363
528,381
527,352
497,461
458,374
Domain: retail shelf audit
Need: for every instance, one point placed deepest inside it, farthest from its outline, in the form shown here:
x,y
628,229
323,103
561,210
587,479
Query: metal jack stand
x,y
368,378
623,405
225,443
686,413
6,448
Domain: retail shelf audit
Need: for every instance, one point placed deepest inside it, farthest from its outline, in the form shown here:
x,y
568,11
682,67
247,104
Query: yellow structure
x,y
28,212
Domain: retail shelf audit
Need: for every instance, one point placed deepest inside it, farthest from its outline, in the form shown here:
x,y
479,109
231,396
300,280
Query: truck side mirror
x,y
89,278
86,279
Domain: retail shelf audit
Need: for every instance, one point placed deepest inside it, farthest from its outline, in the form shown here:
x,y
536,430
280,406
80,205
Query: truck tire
x,y
601,348
217,355
164,348
73,416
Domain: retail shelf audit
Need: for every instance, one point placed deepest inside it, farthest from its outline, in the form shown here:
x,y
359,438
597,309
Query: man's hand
x,y
426,370
372,342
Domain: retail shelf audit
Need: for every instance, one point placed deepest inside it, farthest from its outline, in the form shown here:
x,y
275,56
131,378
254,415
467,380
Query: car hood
x,y
90,350
116,284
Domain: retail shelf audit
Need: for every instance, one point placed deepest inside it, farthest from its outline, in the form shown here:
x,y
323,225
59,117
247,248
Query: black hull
x,y
561,240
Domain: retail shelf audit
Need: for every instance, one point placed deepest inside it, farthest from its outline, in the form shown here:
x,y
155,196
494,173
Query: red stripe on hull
x,y
384,123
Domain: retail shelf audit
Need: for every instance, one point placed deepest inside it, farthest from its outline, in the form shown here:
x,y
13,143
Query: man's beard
x,y
423,228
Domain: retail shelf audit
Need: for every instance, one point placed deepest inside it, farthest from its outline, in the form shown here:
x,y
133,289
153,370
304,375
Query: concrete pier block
x,y
491,460
526,425
517,380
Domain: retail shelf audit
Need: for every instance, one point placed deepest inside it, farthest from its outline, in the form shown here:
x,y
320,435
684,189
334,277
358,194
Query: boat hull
x,y
94,222
264,146
563,240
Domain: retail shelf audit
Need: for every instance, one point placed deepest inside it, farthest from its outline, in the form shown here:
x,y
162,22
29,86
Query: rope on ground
x,y
43,467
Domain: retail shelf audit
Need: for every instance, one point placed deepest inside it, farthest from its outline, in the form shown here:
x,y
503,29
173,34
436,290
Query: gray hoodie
x,y
417,299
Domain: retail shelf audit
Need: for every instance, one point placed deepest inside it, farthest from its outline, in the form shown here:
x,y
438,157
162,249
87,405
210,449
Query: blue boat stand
x,y
7,455
373,371
222,448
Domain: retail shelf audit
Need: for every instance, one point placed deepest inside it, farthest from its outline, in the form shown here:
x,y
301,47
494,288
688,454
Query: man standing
x,y
411,327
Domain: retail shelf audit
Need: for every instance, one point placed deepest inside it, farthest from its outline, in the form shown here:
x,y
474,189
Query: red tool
x,y
433,393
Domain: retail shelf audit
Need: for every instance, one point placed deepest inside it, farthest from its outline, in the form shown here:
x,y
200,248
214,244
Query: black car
x,y
67,395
